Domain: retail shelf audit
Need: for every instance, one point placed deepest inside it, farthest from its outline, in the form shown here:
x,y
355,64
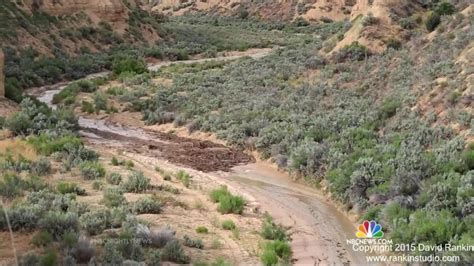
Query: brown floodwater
x,y
319,229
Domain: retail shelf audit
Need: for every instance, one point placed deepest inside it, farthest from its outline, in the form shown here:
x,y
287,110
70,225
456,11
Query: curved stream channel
x,y
319,230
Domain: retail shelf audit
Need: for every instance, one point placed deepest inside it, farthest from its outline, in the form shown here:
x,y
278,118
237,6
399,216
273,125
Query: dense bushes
x,y
35,118
92,170
147,205
276,252
136,183
173,251
355,51
356,125
434,18
58,223
67,187
128,64
113,197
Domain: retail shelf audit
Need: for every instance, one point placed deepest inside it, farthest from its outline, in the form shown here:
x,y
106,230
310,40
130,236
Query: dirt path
x,y
319,229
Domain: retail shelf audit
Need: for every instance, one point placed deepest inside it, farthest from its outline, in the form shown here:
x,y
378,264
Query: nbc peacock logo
x,y
369,230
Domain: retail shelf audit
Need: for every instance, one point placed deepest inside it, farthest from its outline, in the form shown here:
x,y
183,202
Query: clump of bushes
x,y
136,183
42,239
58,223
370,20
147,205
228,203
272,231
276,252
11,186
113,197
68,95
434,18
92,170
193,243
354,52
114,178
68,187
83,251
173,252
129,64
95,222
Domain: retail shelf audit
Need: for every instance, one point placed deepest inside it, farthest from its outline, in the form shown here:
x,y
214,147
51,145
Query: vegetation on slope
x,y
356,126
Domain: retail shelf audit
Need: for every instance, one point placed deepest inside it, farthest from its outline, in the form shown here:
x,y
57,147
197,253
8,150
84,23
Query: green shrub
x,y
114,161
100,101
40,167
67,187
23,217
184,177
70,239
354,52
30,258
231,204
87,107
445,8
202,230
47,145
154,257
95,222
193,243
271,231
173,252
219,193
280,249
147,205
137,183
269,257
111,254
370,20
114,178
19,123
128,64
92,170
97,185
228,203
42,239
389,107
433,20
50,258
11,186
228,225
57,223
113,197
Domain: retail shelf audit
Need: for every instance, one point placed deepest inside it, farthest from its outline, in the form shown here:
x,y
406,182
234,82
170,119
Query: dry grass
x,y
17,147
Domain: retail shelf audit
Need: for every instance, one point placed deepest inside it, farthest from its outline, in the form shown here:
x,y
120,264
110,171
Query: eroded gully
x,y
319,229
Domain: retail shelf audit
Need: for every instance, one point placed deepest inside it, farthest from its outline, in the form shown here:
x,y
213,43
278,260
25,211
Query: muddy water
x,y
319,229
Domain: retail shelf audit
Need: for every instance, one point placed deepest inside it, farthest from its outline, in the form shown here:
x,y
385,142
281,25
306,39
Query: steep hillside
x,y
70,26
